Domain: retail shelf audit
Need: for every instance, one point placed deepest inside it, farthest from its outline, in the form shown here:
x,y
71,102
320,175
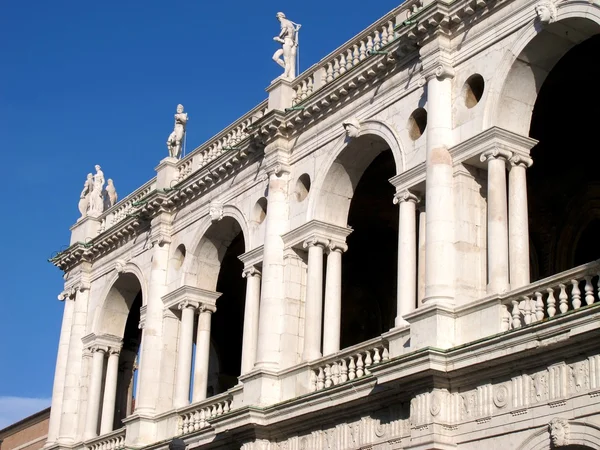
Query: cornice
x,y
252,258
106,341
316,229
190,294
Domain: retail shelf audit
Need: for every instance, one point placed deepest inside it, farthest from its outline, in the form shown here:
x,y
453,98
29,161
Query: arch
x,y
335,183
117,299
582,435
526,64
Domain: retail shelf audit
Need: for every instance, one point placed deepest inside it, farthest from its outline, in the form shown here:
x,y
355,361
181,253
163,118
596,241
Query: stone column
x,y
110,391
202,353
93,410
250,338
333,299
70,402
272,304
61,367
151,355
407,256
313,312
184,354
519,222
421,257
497,224
439,258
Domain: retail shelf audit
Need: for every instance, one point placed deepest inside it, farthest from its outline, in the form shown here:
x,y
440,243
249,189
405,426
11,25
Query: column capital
x,y
97,348
189,297
340,247
496,153
521,161
188,304
114,350
316,242
251,272
104,343
207,308
405,196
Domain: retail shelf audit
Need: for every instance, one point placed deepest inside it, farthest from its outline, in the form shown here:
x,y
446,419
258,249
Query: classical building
x,y
395,250
30,433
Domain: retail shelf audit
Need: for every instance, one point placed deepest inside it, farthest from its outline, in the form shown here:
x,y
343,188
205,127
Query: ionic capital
x,y
405,196
98,349
251,272
496,153
188,304
68,294
521,161
206,308
114,351
340,247
316,242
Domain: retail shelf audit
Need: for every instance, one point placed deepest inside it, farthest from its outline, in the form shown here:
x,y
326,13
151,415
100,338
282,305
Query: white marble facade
x,y
476,356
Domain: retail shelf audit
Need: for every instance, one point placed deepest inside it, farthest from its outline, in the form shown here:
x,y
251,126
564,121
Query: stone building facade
x,y
396,250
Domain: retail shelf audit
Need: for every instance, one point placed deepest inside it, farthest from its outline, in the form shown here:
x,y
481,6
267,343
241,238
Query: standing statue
x,y
84,198
111,196
176,137
289,38
96,206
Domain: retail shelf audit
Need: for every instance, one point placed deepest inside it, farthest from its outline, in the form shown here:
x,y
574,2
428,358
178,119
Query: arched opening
x,y
220,270
564,183
357,194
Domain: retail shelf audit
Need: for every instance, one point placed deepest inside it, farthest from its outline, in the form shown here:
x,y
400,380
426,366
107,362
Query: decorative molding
x,y
253,257
322,232
191,296
102,342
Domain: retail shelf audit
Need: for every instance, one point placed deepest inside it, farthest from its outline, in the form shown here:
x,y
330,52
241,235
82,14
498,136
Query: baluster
x,y
343,371
310,84
384,36
196,420
539,306
227,407
349,60
213,412
352,369
320,379
327,376
563,298
386,354
598,274
516,314
220,409
329,76
505,318
180,426
576,295
359,366
313,381
376,41
589,291
342,64
362,51
336,68
369,43
202,418
376,356
335,374
391,32
355,55
526,307
368,362
551,302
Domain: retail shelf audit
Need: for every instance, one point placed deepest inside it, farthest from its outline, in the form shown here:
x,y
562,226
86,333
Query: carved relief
x,y
215,210
539,392
546,12
501,396
559,432
580,376
352,127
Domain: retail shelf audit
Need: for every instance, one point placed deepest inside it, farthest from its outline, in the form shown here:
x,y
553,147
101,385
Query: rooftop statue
x,y
96,205
176,137
111,196
84,198
288,37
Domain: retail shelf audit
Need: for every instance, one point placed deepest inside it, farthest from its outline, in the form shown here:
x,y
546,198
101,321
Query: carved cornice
x,y
252,258
321,232
103,342
188,296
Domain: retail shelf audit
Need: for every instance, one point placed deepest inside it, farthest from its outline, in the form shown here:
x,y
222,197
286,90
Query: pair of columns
x,y
100,354
508,240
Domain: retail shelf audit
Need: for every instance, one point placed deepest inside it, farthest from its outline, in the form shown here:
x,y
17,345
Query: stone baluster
x,y
333,299
518,231
95,390
407,256
314,299
202,352
110,391
250,337
184,353
497,224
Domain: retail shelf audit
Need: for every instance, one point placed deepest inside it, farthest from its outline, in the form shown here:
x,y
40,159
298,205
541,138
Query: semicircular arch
x,y
581,435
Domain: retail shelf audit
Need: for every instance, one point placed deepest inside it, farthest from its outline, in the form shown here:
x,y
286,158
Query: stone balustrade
x,y
553,296
348,365
198,416
126,207
111,441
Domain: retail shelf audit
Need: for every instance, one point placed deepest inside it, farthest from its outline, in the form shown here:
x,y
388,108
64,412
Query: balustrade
x,y
198,416
111,441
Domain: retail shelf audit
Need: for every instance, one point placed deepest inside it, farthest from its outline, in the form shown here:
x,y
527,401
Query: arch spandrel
x,y
334,185
526,63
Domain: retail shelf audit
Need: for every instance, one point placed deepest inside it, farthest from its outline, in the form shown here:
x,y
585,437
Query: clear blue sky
x,y
85,83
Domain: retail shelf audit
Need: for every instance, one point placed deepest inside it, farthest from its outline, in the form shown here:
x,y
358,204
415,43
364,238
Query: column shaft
x,y
407,257
333,301
518,223
251,314
184,355
202,355
497,226
313,317
93,410
110,393
421,258
439,258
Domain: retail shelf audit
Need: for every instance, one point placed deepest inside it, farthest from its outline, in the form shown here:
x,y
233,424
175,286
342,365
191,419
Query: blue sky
x,y
85,83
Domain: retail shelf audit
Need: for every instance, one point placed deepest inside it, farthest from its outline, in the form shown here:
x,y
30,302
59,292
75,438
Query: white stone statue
x,y
84,198
175,140
288,37
111,194
352,127
96,205
546,12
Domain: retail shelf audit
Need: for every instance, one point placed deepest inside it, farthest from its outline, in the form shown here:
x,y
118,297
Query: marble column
x,y
202,353
313,308
497,223
95,390
272,304
251,312
333,299
110,391
440,254
421,257
61,367
407,256
518,231
184,354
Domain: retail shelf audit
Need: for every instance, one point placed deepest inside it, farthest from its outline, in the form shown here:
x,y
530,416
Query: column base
x,y
140,431
432,325
261,388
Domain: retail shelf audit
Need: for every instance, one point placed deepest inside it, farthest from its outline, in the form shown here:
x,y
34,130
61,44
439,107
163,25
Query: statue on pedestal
x,y
96,206
175,140
84,198
288,37
111,196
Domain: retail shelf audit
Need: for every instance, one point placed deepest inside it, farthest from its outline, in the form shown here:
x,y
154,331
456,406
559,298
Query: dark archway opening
x,y
565,169
370,266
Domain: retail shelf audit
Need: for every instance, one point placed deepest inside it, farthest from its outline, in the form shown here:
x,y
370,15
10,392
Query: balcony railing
x,y
112,441
198,416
